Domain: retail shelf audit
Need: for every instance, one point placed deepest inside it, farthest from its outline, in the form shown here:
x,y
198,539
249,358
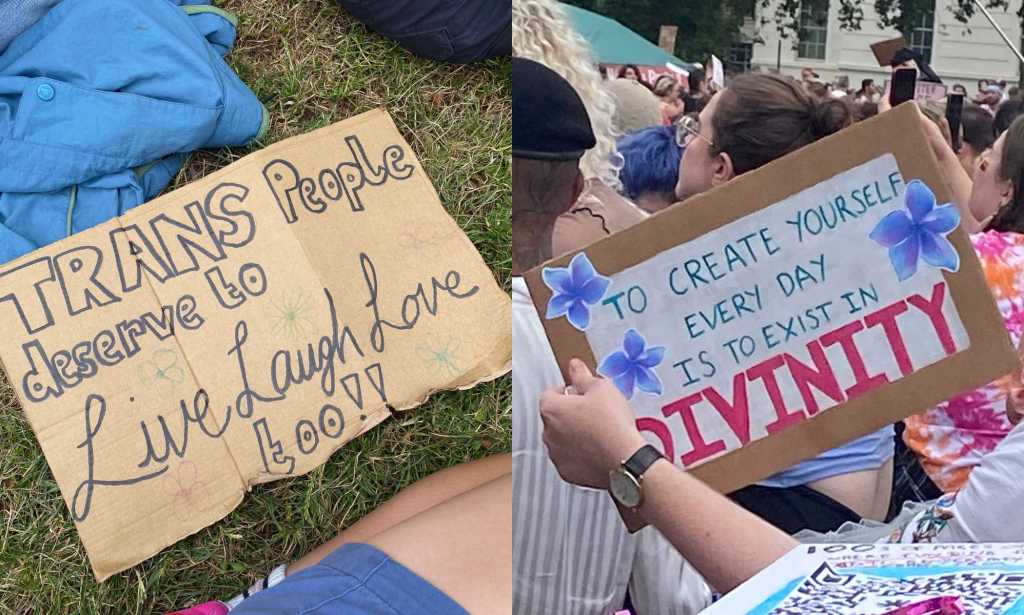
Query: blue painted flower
x,y
633,366
922,234
575,287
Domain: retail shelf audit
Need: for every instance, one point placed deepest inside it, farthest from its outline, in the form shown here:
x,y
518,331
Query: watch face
x,y
624,488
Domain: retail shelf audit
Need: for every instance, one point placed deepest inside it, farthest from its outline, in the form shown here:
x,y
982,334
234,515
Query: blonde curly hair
x,y
541,32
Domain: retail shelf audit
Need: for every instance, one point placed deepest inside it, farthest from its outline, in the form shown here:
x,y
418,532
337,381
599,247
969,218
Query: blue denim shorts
x,y
356,579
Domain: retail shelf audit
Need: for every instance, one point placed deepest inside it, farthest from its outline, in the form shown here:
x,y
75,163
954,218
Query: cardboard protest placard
x,y
885,50
242,329
986,579
780,305
667,38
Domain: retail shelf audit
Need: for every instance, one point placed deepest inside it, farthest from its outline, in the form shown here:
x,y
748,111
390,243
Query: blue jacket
x,y
99,102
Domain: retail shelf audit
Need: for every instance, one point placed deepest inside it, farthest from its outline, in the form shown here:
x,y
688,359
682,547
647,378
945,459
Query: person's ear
x,y
577,188
721,169
1006,194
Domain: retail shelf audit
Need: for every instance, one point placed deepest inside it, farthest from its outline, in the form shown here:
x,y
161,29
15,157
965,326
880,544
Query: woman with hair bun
x,y
755,120
666,88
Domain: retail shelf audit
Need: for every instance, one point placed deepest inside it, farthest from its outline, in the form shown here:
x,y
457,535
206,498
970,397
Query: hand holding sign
x,y
940,143
590,432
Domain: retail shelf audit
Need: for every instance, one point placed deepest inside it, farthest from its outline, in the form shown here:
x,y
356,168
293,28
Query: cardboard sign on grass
x,y
241,330
815,300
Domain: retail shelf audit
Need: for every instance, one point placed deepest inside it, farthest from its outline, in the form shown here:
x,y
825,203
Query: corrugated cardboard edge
x,y
975,366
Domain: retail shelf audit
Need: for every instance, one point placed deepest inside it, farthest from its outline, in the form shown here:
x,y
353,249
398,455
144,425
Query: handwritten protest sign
x,y
815,300
242,329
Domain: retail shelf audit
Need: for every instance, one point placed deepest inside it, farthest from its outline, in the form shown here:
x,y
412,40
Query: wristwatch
x,y
626,481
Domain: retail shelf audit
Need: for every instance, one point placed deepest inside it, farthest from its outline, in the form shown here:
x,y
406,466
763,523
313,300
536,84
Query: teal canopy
x,y
614,43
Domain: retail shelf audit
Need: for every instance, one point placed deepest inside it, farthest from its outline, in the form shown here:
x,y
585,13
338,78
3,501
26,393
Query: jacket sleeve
x,y
63,135
100,87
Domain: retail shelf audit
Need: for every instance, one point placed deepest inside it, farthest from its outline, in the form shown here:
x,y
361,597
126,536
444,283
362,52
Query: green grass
x,y
312,65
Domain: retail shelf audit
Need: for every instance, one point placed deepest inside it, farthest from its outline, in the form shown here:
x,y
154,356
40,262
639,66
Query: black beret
x,y
549,121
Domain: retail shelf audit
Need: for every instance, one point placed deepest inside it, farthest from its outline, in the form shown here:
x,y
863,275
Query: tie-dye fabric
x,y
951,438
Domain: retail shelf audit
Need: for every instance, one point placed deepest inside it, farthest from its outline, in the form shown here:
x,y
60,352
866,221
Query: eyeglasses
x,y
688,129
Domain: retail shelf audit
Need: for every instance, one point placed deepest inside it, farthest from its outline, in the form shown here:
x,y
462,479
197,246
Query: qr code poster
x,y
877,579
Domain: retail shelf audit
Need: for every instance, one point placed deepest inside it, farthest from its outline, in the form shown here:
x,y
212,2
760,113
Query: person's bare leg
x,y
462,546
414,499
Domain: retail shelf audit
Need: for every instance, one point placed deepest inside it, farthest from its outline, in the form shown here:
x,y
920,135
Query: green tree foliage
x,y
899,14
705,26
712,26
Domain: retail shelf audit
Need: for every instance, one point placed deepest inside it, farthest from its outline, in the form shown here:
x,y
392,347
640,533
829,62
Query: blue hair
x,y
651,161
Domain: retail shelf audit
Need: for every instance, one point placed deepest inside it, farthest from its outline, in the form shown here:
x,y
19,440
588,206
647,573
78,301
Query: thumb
x,y
581,376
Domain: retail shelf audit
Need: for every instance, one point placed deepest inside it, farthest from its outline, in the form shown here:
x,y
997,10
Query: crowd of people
x,y
990,96
594,155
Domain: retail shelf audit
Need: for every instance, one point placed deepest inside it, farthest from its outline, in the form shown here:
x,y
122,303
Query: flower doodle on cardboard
x,y
575,288
633,366
921,234
290,316
185,488
162,370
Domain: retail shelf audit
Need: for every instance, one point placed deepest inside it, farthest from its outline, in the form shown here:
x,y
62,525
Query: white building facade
x,y
960,53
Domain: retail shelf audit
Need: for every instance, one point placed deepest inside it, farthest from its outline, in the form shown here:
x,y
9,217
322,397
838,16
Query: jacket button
x,y
45,92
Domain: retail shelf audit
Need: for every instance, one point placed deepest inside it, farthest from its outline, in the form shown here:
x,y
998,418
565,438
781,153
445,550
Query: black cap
x,y
549,121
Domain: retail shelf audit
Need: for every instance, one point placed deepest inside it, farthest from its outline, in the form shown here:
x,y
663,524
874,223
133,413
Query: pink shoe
x,y
207,608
